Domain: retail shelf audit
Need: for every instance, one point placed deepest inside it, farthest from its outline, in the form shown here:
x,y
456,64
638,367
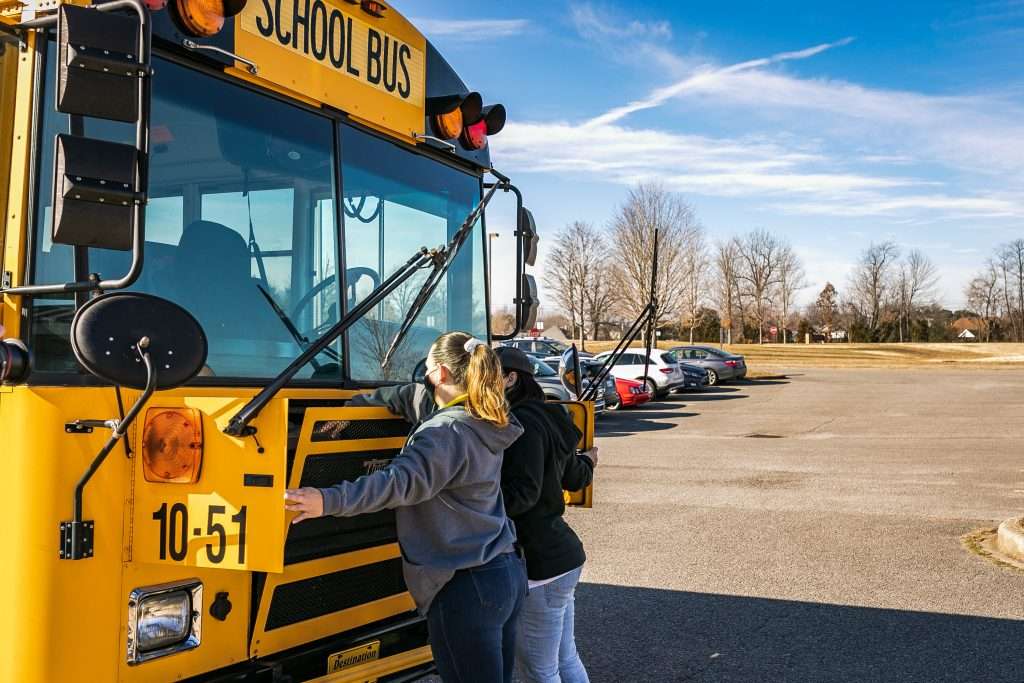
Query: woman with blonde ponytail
x,y
458,546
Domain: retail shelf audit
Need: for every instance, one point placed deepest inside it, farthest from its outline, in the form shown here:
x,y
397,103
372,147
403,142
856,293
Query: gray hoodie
x,y
445,487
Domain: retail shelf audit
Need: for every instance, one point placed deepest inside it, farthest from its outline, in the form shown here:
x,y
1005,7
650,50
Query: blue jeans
x,y
546,645
472,622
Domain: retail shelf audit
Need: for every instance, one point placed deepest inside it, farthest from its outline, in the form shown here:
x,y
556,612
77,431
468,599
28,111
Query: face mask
x,y
428,384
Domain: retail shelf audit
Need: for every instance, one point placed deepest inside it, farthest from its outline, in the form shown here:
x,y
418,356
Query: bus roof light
x,y
491,121
205,18
449,114
373,8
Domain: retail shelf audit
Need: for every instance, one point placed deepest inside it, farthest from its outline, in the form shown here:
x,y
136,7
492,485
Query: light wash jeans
x,y
545,644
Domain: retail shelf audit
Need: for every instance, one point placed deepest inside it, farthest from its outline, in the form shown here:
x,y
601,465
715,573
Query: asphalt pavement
x,y
807,529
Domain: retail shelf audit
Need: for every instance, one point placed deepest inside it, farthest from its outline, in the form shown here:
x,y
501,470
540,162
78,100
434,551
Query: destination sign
x,y
327,47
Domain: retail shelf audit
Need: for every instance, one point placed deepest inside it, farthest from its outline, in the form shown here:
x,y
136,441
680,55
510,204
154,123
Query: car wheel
x,y
651,387
712,377
613,406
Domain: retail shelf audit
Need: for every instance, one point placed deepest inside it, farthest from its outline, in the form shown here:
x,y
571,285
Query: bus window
x,y
240,226
395,203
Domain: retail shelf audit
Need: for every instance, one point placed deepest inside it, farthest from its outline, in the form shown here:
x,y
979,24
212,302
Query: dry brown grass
x,y
762,358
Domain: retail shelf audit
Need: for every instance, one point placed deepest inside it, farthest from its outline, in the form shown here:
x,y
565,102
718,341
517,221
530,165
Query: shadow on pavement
x,y
646,418
646,634
710,394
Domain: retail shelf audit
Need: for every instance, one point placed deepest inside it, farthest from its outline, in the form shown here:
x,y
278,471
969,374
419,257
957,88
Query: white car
x,y
663,376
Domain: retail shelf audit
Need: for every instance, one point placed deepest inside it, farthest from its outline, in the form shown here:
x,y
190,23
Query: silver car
x,y
720,365
553,388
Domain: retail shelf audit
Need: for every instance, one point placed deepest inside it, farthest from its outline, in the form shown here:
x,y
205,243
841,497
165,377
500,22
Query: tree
x,y
726,288
983,295
1010,258
792,278
694,279
575,272
759,256
826,308
872,282
916,283
647,208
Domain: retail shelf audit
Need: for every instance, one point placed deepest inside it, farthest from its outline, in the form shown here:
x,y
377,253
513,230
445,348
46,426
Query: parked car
x,y
631,394
610,391
664,374
542,346
695,377
720,366
550,381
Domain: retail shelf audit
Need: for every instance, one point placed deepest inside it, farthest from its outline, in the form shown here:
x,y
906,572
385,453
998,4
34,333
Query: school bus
x,y
221,220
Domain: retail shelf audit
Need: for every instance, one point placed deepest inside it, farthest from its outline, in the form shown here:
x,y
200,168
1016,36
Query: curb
x,y
1010,538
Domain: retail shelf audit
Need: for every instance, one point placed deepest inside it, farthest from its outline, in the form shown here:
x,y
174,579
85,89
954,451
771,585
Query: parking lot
x,y
807,529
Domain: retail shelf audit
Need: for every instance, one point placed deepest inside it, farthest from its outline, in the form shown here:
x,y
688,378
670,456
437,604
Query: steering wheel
x,y
352,276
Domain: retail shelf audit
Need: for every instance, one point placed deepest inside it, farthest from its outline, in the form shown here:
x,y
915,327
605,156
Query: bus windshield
x,y
242,230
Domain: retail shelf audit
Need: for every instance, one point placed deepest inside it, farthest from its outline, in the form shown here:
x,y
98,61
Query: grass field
x,y
772,358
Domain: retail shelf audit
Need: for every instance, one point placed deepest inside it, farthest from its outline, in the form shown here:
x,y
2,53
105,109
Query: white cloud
x,y
591,23
471,30
819,155
706,78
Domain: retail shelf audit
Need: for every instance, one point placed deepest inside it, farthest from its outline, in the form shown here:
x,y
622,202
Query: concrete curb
x,y
1010,538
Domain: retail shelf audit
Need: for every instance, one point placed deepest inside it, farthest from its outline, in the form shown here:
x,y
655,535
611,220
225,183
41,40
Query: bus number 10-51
x,y
174,532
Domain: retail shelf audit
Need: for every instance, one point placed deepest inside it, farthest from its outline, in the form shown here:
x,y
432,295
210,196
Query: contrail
x,y
662,95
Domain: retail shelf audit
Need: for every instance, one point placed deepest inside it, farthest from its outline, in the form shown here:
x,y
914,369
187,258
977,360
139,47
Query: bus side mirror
x,y
99,67
94,193
97,183
527,230
528,303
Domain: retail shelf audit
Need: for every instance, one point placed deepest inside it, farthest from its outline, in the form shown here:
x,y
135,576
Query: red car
x,y
631,394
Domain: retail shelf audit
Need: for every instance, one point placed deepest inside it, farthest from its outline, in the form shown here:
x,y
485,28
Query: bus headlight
x,y
164,619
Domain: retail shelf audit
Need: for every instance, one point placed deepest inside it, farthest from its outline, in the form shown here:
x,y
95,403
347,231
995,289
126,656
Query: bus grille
x,y
321,595
328,536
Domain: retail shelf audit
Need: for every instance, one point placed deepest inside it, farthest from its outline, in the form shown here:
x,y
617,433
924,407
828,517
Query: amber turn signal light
x,y
205,18
172,445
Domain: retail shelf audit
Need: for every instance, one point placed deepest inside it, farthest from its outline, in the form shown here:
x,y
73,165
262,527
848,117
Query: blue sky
x,y
832,124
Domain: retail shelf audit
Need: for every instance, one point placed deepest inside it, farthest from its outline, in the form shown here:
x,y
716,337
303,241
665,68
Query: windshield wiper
x,y
300,339
445,257
239,424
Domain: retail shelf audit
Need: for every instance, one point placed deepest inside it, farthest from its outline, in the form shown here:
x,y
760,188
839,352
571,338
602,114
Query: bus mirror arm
x,y
139,197
239,425
76,536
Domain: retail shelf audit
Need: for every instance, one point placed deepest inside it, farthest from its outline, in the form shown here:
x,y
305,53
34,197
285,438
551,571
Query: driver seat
x,y
213,272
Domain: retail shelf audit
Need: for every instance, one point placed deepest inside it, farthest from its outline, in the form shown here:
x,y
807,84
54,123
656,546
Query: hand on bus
x,y
592,454
308,502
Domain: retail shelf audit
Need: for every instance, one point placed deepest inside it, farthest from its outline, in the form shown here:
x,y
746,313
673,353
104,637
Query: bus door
x,y
582,413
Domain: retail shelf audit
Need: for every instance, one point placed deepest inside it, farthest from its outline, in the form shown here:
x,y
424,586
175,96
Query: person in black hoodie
x,y
537,467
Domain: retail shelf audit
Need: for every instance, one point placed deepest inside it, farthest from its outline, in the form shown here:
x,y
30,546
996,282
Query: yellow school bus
x,y
221,220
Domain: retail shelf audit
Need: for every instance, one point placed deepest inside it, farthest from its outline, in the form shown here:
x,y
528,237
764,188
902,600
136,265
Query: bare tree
x,y
647,208
915,285
726,288
695,278
1011,265
760,253
983,294
872,282
575,273
792,278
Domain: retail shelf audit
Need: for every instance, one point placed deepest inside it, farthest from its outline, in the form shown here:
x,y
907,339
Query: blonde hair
x,y
475,367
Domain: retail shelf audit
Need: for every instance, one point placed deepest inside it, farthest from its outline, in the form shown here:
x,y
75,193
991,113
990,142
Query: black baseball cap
x,y
514,359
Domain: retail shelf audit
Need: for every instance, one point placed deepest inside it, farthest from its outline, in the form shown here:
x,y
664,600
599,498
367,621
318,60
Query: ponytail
x,y
475,366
